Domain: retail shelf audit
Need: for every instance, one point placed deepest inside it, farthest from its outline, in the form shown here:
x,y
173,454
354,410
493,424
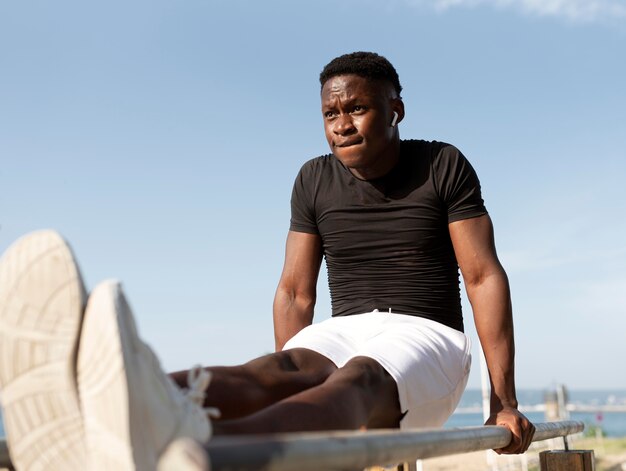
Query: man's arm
x,y
488,291
296,292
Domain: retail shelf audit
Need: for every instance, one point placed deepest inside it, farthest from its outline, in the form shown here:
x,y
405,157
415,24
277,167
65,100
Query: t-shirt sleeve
x,y
302,203
458,185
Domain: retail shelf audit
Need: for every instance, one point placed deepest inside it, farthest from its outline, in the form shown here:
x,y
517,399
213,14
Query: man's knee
x,y
364,373
306,360
374,388
299,364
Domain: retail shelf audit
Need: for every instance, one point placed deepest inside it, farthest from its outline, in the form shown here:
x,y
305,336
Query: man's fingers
x,y
513,446
527,430
522,430
528,436
521,437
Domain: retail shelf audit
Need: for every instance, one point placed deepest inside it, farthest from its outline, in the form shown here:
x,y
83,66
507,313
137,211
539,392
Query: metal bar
x,y
358,450
354,450
544,431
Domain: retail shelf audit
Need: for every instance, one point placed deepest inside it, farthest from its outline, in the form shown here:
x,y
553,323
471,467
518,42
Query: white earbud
x,y
395,119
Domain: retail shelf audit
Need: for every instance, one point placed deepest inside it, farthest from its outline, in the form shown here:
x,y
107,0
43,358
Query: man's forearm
x,y
292,313
488,291
491,303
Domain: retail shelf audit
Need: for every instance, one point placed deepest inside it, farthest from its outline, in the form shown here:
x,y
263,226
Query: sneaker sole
x,y
117,432
41,304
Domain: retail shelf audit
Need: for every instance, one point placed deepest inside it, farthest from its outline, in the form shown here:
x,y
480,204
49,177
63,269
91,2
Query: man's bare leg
x,y
238,391
359,395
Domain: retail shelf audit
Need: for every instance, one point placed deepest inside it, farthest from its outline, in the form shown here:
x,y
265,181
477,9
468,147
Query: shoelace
x,y
198,380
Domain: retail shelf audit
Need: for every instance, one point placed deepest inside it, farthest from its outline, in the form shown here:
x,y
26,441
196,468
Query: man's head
x,y
361,106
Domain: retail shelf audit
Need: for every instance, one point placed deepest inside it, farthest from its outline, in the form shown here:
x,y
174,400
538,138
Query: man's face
x,y
357,122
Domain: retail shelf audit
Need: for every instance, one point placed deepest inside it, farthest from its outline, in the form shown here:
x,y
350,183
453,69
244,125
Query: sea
x,y
605,409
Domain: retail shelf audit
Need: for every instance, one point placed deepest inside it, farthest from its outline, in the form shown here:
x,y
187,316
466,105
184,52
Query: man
x,y
394,219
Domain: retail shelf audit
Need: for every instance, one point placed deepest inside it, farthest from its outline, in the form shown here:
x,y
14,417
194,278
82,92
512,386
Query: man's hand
x,y
522,430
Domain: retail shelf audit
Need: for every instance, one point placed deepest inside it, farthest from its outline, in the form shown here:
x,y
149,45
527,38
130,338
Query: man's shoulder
x,y
441,155
321,160
318,164
432,148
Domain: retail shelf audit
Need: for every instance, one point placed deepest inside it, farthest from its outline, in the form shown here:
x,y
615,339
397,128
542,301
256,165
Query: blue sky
x,y
162,139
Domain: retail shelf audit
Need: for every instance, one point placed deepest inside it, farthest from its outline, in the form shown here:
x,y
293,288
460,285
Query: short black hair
x,y
364,64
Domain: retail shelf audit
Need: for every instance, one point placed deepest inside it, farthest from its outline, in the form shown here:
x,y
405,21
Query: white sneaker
x,y
132,410
41,304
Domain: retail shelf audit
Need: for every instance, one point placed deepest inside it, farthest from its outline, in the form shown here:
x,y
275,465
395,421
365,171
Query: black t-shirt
x,y
386,241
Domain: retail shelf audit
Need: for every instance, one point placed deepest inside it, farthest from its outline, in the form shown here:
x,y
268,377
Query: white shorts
x,y
429,361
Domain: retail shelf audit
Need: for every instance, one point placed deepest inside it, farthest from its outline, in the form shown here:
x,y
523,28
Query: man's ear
x,y
397,105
